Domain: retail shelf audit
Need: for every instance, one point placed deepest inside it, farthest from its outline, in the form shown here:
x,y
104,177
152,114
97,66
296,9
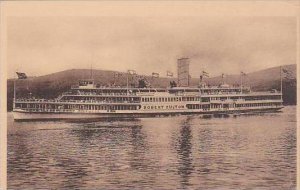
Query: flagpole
x,y
223,82
92,66
241,83
281,81
127,82
200,81
91,71
14,94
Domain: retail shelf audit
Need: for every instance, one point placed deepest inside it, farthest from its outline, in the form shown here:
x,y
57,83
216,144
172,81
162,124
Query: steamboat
x,y
89,101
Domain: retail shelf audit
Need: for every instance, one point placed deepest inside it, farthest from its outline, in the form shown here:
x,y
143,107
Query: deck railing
x,y
69,101
245,101
175,93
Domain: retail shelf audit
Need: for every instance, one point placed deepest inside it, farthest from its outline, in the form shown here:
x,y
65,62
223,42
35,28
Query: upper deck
x,y
89,89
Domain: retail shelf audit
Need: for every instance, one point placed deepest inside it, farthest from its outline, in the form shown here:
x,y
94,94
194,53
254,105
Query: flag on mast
x,y
285,71
131,72
286,74
155,75
205,74
21,75
169,74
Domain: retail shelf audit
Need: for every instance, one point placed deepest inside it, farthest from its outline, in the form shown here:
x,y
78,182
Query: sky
x,y
43,45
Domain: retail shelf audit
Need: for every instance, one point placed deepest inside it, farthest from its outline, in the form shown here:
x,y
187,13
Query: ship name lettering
x,y
156,107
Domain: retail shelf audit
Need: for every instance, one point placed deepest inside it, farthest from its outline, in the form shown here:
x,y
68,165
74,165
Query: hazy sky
x,y
43,45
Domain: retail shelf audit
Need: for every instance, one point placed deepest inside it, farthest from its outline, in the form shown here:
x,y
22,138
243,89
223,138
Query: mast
x,y
241,85
91,71
91,74
127,82
281,82
200,80
222,78
14,101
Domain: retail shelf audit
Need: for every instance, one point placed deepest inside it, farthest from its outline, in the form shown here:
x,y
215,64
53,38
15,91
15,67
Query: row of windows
x,y
103,99
216,106
170,99
248,98
263,98
79,107
103,107
197,106
258,105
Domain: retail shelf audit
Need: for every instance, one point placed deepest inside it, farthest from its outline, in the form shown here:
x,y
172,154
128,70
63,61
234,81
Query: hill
x,y
52,85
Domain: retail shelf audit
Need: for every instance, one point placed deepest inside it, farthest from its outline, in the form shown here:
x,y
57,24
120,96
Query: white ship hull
x,y
23,115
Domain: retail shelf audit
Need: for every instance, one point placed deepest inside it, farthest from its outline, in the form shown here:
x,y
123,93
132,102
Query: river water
x,y
184,152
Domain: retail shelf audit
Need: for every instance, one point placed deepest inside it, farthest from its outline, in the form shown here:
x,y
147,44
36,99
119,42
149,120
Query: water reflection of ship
x,y
118,149
184,150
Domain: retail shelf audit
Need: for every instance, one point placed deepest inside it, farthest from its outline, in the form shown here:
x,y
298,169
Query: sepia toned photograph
x,y
149,95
